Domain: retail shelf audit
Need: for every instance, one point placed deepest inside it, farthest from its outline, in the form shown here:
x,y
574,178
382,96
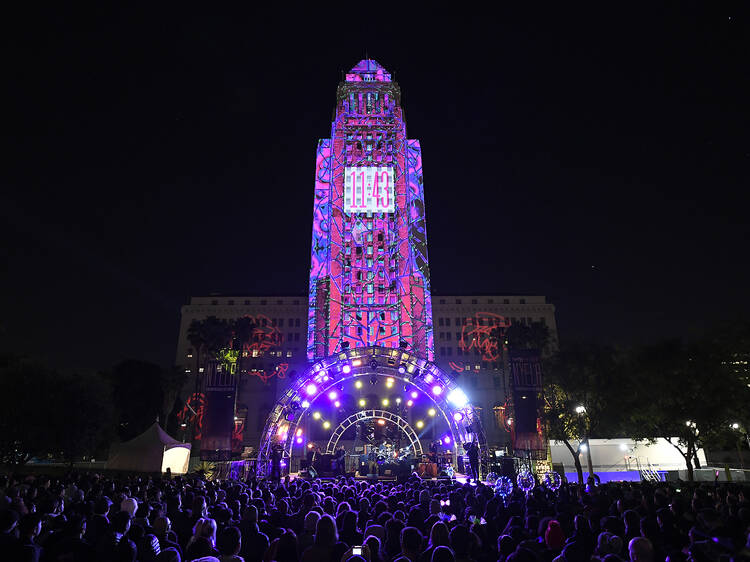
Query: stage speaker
x,y
218,422
525,411
508,467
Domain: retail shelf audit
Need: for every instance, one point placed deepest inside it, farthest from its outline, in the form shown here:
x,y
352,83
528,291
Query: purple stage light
x,y
333,395
299,440
447,440
311,389
402,368
436,390
347,369
414,394
458,416
428,378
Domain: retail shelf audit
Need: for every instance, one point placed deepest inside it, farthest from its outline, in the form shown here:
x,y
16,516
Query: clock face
x,y
369,190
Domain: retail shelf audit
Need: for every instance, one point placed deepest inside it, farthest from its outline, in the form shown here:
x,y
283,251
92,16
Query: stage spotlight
x,y
299,440
316,415
398,400
414,394
420,424
337,404
299,432
428,378
333,395
362,402
310,445
305,404
410,403
431,412
457,397
358,384
458,416
446,440
402,368
326,424
385,402
389,382
381,421
346,369
356,362
323,374
311,389
436,390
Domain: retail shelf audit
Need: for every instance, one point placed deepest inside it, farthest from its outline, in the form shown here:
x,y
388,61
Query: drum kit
x,y
387,452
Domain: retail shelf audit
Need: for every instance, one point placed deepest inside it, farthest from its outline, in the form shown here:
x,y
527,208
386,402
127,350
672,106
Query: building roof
x,y
368,70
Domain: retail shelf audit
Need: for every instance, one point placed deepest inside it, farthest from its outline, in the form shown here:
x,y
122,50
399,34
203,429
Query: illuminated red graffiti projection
x,y
477,333
192,413
279,372
238,434
456,367
264,337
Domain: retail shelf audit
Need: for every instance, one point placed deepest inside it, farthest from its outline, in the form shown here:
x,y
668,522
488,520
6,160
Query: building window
x,y
522,301
442,301
440,322
214,302
448,322
289,353
296,336
230,301
473,301
448,336
450,350
280,322
458,301
247,302
542,321
442,351
506,301
490,301
295,301
263,302
296,322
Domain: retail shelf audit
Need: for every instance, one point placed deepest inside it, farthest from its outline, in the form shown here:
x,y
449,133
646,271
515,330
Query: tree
x,y
243,330
83,404
688,394
71,418
529,336
138,396
583,397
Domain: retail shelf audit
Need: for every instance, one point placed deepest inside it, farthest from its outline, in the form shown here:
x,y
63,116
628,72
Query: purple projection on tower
x,y
369,275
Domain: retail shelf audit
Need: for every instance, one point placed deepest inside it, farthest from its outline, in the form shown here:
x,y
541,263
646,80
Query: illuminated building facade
x,y
369,275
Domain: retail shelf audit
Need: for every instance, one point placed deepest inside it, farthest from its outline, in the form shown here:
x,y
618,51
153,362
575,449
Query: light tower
x,y
369,275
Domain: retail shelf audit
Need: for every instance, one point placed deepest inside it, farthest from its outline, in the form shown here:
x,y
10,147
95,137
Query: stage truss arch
x,y
363,415
463,419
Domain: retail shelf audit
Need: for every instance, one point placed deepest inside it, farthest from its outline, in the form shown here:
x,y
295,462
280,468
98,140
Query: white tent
x,y
152,451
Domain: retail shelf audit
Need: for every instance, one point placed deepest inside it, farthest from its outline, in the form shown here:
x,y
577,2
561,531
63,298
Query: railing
x,y
647,472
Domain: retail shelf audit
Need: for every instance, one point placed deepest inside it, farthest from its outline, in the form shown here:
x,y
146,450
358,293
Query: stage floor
x,y
458,477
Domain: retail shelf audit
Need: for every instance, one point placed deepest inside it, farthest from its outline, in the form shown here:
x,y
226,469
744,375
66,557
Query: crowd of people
x,y
91,517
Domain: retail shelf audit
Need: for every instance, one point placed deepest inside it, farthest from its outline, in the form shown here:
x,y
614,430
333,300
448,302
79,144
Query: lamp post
x,y
581,411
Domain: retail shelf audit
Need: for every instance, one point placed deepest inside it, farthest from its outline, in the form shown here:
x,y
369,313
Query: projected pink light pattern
x,y
369,274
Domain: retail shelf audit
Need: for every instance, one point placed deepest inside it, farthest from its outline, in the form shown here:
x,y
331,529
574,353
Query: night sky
x,y
599,158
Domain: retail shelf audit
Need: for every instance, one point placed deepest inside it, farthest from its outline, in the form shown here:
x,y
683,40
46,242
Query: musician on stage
x,y
340,456
473,453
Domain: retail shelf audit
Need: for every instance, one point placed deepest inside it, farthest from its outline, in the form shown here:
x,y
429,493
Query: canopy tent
x,y
152,451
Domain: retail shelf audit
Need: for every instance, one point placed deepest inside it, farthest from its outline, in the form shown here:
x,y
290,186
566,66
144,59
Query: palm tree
x,y
243,330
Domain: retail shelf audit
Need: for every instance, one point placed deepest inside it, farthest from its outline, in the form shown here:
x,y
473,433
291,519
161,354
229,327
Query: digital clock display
x,y
369,190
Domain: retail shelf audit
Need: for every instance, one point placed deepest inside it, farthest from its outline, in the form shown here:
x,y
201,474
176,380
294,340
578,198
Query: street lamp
x,y
580,410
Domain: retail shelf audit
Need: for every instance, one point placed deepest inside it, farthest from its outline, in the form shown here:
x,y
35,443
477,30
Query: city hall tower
x,y
369,274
